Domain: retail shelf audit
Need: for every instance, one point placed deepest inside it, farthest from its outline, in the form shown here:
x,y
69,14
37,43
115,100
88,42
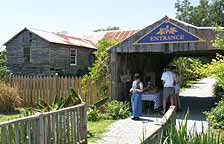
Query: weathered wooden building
x,y
34,51
146,51
149,50
38,52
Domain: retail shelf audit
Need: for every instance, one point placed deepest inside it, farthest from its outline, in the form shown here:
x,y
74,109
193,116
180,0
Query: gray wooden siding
x,y
60,59
39,55
45,58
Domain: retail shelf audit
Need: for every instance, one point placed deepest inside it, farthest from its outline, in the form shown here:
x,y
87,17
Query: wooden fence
x,y
63,126
33,88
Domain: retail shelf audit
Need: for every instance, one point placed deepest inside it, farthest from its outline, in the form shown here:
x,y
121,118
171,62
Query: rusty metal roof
x,y
63,39
121,35
88,40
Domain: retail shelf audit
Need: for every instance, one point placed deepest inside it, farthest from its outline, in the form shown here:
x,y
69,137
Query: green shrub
x,y
188,67
92,114
117,109
9,98
218,91
216,116
105,116
215,69
72,99
2,63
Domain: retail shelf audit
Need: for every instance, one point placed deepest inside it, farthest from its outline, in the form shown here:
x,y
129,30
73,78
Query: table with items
x,y
156,97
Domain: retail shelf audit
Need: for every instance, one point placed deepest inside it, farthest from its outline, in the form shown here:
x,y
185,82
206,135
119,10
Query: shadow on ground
x,y
195,105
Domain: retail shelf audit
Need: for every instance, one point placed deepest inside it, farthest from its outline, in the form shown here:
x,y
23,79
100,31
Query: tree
x,y
184,9
216,67
64,32
2,63
109,28
207,13
100,69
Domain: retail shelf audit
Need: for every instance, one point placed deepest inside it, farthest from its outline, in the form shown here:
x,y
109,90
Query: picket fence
x,y
64,126
33,88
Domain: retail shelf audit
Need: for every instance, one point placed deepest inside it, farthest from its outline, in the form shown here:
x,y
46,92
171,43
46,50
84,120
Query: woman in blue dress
x,y
136,101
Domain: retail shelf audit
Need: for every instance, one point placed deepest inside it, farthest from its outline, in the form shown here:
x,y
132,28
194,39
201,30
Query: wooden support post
x,y
41,128
114,76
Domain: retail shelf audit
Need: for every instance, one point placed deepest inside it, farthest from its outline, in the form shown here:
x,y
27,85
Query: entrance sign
x,y
168,32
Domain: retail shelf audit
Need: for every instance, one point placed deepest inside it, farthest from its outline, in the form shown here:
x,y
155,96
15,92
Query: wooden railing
x,y
33,88
64,126
168,119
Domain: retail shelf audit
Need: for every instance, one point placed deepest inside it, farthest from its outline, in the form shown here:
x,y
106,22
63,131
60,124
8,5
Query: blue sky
x,y
80,15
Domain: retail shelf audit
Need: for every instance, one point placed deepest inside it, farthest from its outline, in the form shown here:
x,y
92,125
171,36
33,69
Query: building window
x,y
30,37
73,57
26,53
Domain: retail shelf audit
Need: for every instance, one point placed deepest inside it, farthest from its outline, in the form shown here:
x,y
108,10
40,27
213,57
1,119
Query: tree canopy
x,y
100,68
107,28
100,72
207,13
2,63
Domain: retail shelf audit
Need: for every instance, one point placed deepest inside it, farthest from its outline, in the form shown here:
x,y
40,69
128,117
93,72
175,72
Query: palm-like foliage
x,y
58,103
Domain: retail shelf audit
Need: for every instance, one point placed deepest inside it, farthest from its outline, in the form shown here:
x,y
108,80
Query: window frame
x,y
71,57
25,56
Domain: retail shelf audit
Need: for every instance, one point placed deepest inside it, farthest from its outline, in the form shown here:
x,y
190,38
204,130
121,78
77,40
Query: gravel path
x,y
202,88
197,99
128,131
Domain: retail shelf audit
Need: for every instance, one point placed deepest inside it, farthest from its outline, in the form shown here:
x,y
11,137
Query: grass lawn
x,y
96,129
7,117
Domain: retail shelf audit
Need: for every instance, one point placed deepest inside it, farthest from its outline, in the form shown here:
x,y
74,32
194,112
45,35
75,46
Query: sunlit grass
x,y
7,117
96,129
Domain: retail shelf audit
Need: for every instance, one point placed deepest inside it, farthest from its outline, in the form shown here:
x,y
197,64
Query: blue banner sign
x,y
168,32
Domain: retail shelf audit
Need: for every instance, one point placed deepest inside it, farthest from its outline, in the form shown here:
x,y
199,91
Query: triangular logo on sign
x,y
168,32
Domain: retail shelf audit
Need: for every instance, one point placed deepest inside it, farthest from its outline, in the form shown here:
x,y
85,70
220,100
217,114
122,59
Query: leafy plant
x,y
9,98
93,114
216,116
180,135
2,63
58,103
188,68
218,91
117,109
216,67
99,73
105,116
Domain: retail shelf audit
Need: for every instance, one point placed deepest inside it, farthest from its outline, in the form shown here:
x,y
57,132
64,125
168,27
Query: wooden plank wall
x,y
64,126
33,88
